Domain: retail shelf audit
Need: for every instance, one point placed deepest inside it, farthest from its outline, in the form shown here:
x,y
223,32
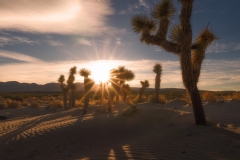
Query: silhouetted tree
x,y
191,54
88,84
118,77
145,84
157,68
71,85
64,89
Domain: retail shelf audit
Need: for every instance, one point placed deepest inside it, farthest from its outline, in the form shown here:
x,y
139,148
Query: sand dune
x,y
152,132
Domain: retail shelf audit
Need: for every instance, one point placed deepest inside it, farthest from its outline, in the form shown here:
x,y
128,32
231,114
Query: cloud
x,y
12,40
223,47
18,56
215,74
144,4
54,43
136,8
56,16
84,42
118,41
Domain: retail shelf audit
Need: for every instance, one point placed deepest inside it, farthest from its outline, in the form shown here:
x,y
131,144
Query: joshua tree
x,y
71,85
88,84
191,54
64,89
157,68
118,77
126,90
145,84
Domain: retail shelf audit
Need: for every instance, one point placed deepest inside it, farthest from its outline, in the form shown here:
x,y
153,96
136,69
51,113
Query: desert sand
x,y
154,131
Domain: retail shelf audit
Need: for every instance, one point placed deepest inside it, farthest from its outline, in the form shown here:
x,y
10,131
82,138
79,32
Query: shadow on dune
x,y
152,132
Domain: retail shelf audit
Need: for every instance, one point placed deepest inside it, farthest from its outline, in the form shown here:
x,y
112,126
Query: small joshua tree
x,y
71,85
64,89
191,54
157,68
118,77
145,84
88,84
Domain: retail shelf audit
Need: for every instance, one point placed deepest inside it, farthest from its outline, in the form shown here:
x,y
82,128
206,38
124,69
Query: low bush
x,y
236,96
55,104
209,96
11,104
34,105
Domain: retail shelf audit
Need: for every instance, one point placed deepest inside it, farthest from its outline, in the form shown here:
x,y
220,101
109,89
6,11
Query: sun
x,y
100,70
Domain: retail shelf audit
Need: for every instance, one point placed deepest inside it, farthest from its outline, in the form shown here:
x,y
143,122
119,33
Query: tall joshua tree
x,y
88,84
64,89
145,84
71,85
118,77
157,68
191,54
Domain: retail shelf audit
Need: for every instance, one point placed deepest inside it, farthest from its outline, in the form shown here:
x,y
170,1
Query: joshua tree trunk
x,y
86,102
65,100
102,97
73,99
110,101
185,61
157,86
140,94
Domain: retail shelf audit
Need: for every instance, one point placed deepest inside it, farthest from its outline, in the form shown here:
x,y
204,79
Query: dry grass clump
x,y
209,96
78,103
236,96
55,104
162,99
11,104
34,105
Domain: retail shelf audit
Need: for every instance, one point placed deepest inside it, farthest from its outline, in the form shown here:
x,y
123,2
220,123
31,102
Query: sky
x,y
42,39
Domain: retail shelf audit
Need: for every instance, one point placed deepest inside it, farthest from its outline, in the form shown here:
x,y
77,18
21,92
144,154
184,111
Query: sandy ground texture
x,y
152,132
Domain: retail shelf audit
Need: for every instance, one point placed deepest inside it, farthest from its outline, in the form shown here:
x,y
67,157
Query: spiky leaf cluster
x,y
145,84
164,10
84,72
157,68
141,23
176,34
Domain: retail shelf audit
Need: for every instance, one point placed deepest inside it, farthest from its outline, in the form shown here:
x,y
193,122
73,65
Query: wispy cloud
x,y
12,40
136,8
223,47
144,4
54,43
18,56
84,42
215,74
56,16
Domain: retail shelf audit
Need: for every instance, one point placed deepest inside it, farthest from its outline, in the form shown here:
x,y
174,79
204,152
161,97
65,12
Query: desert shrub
x,y
187,99
2,105
78,103
162,99
11,104
24,103
236,96
209,96
34,105
227,97
55,104
15,97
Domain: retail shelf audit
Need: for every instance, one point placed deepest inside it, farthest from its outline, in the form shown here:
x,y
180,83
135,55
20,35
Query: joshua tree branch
x,y
162,42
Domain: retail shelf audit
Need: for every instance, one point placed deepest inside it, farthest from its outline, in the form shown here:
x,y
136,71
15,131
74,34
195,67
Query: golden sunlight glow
x,y
100,70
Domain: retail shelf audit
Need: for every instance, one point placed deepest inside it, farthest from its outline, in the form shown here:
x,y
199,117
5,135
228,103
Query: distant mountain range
x,y
14,86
